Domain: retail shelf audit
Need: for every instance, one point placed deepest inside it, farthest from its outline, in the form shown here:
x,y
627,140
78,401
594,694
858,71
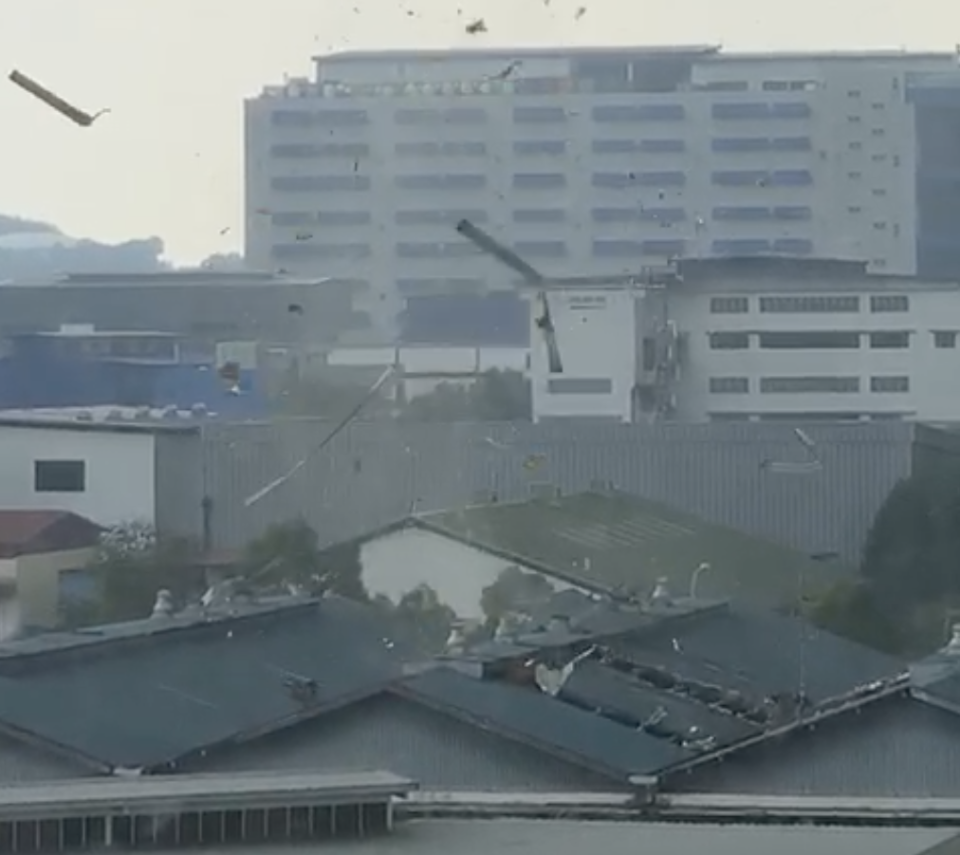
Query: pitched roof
x,y
28,532
538,720
758,654
142,695
614,541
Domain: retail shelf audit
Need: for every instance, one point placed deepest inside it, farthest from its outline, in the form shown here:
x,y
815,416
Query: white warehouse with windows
x,y
756,339
590,160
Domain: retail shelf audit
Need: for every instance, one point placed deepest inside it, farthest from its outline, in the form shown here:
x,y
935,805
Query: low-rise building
x,y
743,339
40,554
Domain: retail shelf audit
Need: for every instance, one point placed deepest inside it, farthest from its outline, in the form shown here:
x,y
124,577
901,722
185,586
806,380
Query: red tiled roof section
x,y
33,532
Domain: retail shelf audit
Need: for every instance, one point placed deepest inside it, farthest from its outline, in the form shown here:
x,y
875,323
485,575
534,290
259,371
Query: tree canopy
x,y
286,554
909,590
496,396
514,590
130,566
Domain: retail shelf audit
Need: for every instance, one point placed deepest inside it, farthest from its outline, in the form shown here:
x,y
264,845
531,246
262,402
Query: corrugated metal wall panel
x,y
375,473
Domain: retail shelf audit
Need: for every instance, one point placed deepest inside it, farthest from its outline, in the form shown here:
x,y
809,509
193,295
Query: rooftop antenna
x,y
163,607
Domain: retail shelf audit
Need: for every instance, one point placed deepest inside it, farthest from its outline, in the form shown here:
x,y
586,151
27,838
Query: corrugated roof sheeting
x,y
617,540
538,719
375,473
150,704
898,747
759,654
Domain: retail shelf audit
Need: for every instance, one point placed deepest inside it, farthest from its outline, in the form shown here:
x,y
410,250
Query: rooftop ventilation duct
x,y
163,607
661,593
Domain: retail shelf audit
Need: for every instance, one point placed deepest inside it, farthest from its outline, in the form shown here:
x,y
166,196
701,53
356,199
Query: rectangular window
x,y
739,178
638,113
59,476
889,340
741,246
538,115
617,248
547,148
539,180
729,305
890,303
540,216
944,340
580,386
433,181
315,183
305,150
540,248
438,149
808,385
729,341
729,385
810,304
435,250
815,340
742,213
793,246
305,250
890,384
434,217
744,145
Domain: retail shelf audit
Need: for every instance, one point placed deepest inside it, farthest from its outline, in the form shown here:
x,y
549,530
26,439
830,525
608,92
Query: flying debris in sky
x,y
506,72
508,257
266,490
74,114
804,467
478,26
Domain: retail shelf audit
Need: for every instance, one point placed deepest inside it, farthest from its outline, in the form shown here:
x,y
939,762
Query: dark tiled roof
x,y
758,654
533,718
609,541
25,532
892,747
138,700
595,686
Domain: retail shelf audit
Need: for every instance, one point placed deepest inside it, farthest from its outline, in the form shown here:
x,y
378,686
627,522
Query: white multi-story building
x,y
749,339
588,161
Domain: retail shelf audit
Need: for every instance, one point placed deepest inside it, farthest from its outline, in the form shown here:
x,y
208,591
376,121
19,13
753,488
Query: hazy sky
x,y
167,160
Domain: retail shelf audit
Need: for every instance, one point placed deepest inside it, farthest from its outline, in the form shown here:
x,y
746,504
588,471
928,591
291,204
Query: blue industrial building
x,y
100,368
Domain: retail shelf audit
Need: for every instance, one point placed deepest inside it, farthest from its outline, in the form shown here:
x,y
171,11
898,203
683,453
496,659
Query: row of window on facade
x,y
620,214
807,385
543,114
538,148
824,340
542,180
600,248
812,304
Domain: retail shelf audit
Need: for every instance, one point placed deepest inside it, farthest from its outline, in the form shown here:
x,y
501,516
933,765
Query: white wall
x,y
119,472
591,326
933,373
861,156
399,561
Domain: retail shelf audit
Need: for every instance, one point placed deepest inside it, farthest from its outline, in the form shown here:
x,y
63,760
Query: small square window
x,y
59,476
943,340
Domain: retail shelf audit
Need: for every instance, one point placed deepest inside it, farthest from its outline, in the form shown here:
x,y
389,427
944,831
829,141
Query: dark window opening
x,y
59,476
